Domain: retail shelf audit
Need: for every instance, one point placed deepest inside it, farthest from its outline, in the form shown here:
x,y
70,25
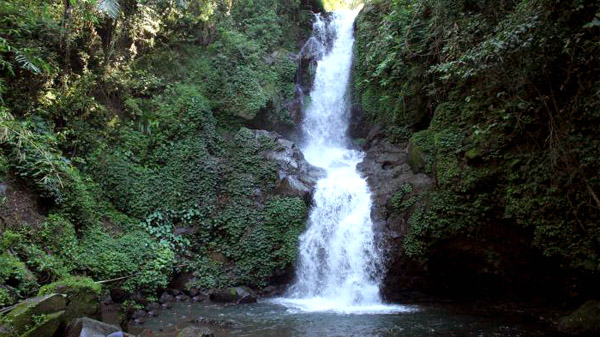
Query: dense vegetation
x,y
500,102
123,146
125,152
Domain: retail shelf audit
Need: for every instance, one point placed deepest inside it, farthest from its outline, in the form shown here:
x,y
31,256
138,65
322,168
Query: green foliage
x,y
209,274
502,102
332,5
57,235
250,71
105,257
271,245
126,118
11,269
154,275
6,298
15,278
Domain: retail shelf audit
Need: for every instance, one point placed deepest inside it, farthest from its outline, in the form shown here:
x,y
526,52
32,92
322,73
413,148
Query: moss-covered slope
x,y
498,101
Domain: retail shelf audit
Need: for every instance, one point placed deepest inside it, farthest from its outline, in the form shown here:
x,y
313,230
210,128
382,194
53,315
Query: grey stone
x,y
296,176
166,297
224,323
194,331
87,327
139,313
153,306
182,297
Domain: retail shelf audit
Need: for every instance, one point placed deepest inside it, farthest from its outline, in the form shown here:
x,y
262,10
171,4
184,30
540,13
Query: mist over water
x,y
339,264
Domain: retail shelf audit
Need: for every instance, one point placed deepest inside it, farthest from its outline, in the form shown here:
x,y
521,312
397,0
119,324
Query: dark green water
x,y
271,320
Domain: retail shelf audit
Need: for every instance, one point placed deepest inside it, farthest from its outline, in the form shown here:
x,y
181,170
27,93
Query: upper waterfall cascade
x,y
339,265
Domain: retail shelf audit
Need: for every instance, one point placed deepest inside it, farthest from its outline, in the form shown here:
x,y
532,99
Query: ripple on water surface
x,y
267,319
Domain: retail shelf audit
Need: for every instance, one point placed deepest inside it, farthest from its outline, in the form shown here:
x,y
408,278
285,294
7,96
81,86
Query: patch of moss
x,y
72,286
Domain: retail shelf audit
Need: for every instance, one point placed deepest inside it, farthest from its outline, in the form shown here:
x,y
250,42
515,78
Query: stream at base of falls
x,y
266,319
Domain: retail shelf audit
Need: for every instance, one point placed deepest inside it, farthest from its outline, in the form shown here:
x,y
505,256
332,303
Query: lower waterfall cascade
x,y
339,265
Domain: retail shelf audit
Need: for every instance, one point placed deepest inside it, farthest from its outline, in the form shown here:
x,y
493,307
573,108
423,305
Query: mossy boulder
x,y
26,314
45,325
83,296
584,321
233,295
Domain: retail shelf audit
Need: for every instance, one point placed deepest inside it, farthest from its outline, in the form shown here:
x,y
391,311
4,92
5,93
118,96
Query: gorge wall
x,y
480,124
131,144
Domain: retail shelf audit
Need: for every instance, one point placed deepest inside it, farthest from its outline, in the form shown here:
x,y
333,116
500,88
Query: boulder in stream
x,y
87,327
166,297
194,331
223,323
238,295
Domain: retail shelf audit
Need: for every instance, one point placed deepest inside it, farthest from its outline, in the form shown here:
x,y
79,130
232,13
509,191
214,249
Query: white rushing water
x,y
339,264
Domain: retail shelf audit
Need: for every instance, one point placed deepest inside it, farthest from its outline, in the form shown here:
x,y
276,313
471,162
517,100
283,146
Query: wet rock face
x,y
296,176
387,170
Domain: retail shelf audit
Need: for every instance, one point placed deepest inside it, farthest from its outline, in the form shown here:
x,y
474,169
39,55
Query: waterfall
x,y
339,264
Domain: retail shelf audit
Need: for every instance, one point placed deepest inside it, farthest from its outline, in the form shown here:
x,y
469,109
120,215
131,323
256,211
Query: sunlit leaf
x,y
111,8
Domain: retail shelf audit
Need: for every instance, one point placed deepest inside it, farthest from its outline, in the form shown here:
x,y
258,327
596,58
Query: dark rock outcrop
x,y
388,172
296,176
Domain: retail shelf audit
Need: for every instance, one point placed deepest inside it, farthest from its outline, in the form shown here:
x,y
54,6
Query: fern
x,y
2,88
111,8
26,63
